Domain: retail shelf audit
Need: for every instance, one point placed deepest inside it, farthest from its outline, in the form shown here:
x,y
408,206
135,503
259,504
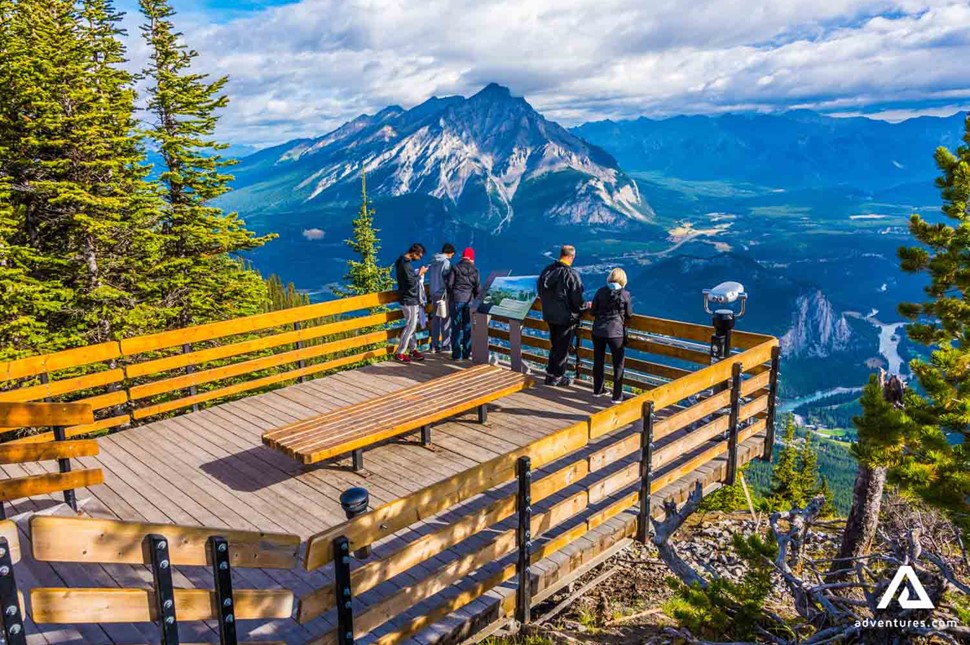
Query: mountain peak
x,y
494,90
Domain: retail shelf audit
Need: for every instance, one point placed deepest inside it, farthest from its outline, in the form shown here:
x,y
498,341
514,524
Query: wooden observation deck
x,y
179,418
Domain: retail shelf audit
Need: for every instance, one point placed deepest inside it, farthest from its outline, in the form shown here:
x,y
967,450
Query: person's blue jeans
x,y
461,330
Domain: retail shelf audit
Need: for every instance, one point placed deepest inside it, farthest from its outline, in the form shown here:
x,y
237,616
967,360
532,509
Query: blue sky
x,y
303,67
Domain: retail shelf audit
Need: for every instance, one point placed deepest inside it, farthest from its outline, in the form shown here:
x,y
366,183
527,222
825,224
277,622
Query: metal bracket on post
x,y
733,422
772,402
12,618
297,326
523,537
64,466
515,346
189,369
164,592
222,577
342,591
480,349
646,473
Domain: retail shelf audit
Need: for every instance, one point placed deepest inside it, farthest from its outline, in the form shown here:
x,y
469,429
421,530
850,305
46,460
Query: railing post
x,y
733,422
523,536
189,369
355,501
772,402
298,326
222,579
342,591
11,617
164,592
646,473
579,343
64,466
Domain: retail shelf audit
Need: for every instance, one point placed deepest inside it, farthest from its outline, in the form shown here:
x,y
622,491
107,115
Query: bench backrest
x,y
38,415
160,546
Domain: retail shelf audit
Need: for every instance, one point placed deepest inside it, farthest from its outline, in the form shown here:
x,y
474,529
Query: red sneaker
x,y
402,358
417,356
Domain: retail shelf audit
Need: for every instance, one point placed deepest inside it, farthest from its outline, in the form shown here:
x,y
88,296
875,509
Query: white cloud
x,y
314,234
304,68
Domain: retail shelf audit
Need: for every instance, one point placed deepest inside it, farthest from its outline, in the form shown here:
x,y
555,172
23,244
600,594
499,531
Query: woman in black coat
x,y
611,309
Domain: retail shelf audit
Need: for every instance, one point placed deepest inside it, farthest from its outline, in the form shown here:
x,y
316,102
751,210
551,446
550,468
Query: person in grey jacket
x,y
611,309
440,305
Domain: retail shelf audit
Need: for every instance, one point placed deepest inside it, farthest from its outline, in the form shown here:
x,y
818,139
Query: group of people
x,y
454,286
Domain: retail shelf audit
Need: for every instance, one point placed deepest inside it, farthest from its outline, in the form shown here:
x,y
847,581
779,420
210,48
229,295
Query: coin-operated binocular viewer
x,y
724,296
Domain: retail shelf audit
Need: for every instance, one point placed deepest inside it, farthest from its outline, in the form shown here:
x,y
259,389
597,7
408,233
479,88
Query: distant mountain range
x,y
792,150
489,162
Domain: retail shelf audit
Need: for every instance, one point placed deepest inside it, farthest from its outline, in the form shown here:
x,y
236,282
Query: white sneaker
x,y
601,394
615,401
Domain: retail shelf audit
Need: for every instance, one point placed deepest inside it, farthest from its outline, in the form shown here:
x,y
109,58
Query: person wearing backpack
x,y
440,304
611,309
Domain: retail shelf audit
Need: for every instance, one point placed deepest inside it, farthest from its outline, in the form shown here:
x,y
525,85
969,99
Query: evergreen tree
x,y
282,296
365,275
200,278
828,510
75,168
935,461
807,483
785,474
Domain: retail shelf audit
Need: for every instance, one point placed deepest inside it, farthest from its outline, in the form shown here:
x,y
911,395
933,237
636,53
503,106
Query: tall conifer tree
x,y
67,145
202,281
365,275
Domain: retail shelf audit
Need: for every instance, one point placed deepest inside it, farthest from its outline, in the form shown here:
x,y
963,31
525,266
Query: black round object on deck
x,y
354,501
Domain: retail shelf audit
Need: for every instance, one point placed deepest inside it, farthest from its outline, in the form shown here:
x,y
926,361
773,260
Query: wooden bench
x,y
351,428
160,547
56,415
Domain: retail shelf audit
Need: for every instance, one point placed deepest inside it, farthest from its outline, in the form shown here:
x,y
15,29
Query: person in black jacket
x,y
561,291
611,309
409,293
464,286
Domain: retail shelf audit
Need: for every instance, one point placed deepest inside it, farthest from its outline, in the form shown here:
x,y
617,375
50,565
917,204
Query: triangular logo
x,y
906,573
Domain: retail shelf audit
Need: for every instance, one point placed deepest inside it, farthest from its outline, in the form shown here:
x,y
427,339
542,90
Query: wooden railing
x,y
142,377
685,424
159,548
57,416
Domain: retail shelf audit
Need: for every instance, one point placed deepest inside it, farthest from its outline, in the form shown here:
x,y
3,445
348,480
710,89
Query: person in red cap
x,y
464,286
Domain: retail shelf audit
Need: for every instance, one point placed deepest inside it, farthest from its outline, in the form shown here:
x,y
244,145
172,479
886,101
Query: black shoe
x,y
565,381
550,379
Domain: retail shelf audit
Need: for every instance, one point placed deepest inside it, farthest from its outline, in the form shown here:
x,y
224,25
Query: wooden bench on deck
x,y
352,428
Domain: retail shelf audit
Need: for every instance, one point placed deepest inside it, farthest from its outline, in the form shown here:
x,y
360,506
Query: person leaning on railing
x,y
612,310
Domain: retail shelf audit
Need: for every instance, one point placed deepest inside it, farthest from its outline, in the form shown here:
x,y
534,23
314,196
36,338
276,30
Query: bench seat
x,y
350,429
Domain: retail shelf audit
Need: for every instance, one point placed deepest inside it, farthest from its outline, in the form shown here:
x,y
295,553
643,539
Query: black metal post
x,y
733,422
646,473
426,436
772,401
187,349
357,458
64,466
579,344
343,592
222,578
12,618
523,536
723,322
483,413
164,592
297,326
